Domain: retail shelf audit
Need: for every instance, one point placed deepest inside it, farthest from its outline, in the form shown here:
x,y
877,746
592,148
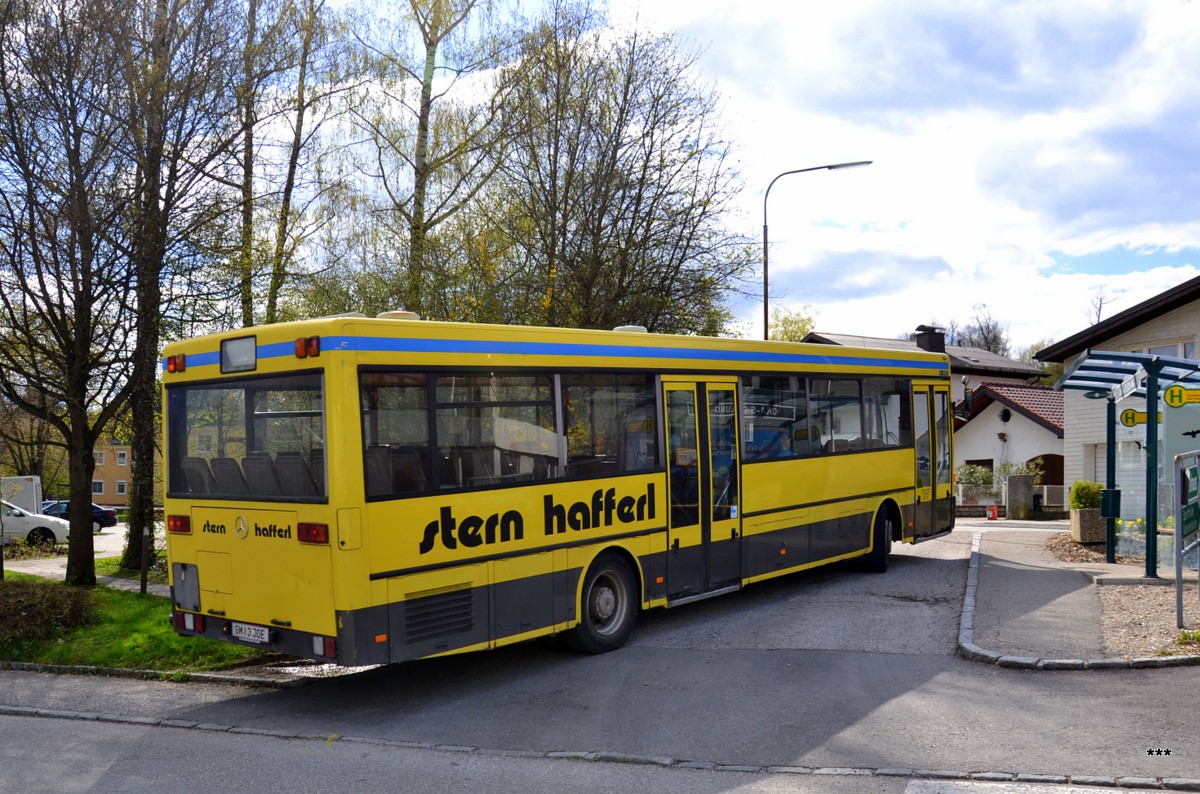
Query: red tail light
x,y
324,646
177,363
186,621
312,533
180,524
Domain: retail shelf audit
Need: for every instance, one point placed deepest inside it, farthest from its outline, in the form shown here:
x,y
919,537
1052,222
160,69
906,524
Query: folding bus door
x,y
705,554
934,497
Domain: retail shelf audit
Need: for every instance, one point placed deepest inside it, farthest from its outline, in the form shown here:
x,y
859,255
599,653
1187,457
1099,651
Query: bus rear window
x,y
250,439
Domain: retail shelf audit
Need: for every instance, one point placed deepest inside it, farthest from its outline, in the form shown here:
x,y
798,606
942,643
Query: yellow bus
x,y
367,490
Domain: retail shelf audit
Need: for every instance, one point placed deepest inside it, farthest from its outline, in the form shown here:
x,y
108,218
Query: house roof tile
x,y
1040,404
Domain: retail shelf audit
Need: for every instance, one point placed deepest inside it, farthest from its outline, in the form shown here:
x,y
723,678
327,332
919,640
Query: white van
x,y
33,528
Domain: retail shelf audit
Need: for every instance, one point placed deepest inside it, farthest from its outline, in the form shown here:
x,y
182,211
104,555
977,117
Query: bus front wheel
x,y
608,606
881,544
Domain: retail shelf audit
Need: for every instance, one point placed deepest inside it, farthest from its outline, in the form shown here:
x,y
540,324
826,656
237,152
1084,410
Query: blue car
x,y
102,517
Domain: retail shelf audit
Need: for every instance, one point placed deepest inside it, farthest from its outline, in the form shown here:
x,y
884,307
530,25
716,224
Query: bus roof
x,y
427,343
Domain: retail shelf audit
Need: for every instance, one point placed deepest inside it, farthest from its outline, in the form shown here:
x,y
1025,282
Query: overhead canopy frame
x,y
1115,375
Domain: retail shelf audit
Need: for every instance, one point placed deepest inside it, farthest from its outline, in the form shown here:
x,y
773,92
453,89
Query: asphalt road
x,y
831,671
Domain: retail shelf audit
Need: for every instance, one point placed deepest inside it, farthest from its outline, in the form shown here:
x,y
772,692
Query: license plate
x,y
259,634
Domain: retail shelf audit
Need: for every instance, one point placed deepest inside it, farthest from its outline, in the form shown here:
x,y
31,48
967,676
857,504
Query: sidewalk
x,y
1025,608
56,568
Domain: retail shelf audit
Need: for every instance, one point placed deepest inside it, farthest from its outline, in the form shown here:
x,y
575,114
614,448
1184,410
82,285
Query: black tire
x,y
40,536
881,544
608,606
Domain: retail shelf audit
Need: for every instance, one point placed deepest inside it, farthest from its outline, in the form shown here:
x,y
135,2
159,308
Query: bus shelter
x,y
1147,382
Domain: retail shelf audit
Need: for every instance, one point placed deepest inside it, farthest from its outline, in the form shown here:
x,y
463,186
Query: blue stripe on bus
x,y
447,346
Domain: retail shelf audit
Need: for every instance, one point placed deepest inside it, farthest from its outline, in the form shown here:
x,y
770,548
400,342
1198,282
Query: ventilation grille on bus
x,y
439,616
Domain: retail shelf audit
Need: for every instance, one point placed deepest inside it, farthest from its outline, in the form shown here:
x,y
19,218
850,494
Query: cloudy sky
x,y
1030,157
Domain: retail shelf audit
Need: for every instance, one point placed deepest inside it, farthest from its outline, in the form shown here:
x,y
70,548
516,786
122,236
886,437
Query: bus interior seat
x,y
584,466
837,445
379,470
317,466
295,479
472,465
260,474
228,476
197,476
408,473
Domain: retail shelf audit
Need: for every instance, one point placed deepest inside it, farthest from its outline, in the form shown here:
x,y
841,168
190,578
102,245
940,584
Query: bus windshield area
x,y
248,439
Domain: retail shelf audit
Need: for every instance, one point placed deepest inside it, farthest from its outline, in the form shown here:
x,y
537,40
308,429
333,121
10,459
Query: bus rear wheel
x,y
608,606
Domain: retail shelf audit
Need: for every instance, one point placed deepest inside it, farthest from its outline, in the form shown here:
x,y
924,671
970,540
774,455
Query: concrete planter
x,y
1087,525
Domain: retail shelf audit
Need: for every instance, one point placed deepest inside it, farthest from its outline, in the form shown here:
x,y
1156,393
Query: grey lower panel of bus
x,y
474,615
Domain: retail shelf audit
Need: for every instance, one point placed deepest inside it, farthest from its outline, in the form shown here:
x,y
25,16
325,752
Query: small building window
x,y
99,458
97,487
121,491
122,457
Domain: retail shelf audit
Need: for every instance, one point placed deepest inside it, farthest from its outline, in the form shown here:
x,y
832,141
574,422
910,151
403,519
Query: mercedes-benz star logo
x,y
243,527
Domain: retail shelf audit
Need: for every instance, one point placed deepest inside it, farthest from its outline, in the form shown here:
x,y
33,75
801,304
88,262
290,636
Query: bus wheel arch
x,y
609,602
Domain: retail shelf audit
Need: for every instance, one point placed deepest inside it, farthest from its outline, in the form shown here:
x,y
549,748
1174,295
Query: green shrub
x,y
971,474
1085,495
40,610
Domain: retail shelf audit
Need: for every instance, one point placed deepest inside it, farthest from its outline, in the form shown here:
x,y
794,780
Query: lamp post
x,y
766,298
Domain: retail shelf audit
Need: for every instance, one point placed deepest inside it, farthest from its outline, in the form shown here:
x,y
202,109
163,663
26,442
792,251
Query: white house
x,y
1166,325
1007,423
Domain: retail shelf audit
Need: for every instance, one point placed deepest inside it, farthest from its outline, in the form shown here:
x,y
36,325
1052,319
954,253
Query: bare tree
x,y
433,116
64,310
616,186
1099,301
985,332
179,74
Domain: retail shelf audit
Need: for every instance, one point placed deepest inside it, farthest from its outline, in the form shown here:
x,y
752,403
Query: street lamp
x,y
832,167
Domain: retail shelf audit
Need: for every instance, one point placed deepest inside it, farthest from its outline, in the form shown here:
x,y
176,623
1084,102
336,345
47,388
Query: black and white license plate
x,y
249,633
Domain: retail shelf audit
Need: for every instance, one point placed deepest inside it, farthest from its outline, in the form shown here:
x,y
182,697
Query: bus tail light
x,y
312,533
179,524
177,363
324,646
308,347
186,621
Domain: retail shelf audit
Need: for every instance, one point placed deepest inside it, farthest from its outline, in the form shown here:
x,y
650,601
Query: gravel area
x,y
1136,620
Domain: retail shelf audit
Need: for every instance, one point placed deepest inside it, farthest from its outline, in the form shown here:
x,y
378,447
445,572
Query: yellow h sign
x,y
1130,417
1177,396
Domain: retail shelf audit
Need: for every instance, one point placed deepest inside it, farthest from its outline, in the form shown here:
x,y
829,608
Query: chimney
x,y
930,338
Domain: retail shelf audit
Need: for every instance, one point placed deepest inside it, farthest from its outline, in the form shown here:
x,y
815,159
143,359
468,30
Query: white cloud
x,y
1027,154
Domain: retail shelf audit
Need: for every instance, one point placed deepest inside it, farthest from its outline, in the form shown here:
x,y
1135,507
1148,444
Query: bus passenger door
x,y
934,507
705,528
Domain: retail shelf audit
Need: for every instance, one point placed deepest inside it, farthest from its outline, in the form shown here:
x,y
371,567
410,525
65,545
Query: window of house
x,y
122,457
97,487
99,458
1179,348
121,491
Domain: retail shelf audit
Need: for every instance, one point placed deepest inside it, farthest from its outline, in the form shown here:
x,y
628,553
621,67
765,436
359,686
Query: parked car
x,y
102,517
34,528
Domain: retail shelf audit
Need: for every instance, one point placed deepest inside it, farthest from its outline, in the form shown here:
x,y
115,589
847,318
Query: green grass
x,y
111,566
125,630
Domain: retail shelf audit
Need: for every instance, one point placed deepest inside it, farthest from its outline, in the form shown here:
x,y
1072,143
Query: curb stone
x,y
1153,783
968,650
